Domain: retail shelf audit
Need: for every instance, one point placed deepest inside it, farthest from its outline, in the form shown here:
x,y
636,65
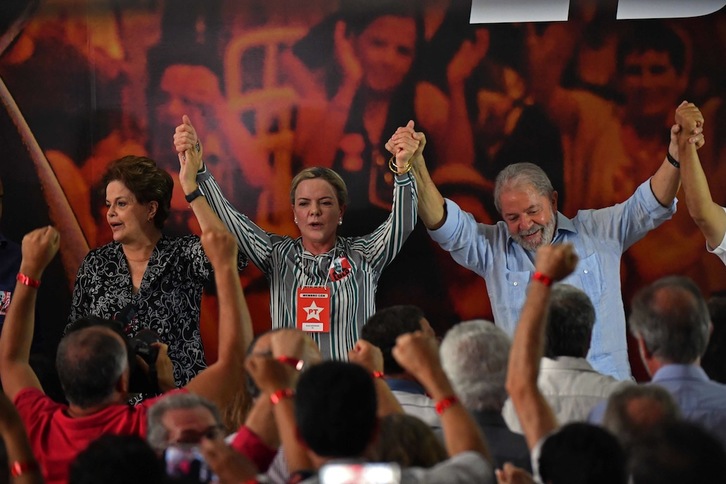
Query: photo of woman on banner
x,y
320,282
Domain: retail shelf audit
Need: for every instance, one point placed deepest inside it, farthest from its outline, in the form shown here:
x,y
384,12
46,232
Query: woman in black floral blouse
x,y
144,278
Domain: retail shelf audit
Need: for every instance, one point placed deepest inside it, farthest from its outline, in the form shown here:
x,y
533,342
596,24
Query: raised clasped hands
x,y
407,146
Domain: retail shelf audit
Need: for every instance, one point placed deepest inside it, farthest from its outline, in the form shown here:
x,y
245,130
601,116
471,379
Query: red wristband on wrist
x,y
445,403
294,362
23,279
278,395
377,374
546,280
17,469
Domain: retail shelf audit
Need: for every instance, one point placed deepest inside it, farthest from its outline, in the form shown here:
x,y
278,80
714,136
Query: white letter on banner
x,y
642,9
510,11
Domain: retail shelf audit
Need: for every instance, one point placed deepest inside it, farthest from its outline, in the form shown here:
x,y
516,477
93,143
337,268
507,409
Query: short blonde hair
x,y
330,176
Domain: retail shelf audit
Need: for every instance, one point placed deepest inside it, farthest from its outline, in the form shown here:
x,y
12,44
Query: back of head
x,y
408,441
570,319
90,362
385,326
522,174
582,453
675,453
474,355
634,410
145,180
335,409
672,318
117,459
157,433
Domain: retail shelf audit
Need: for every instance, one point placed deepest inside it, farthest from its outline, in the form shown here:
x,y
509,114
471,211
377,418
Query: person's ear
x,y
554,201
153,206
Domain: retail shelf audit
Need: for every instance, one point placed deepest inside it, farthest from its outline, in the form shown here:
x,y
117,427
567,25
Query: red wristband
x,y
278,395
546,280
18,468
445,403
23,279
294,362
377,374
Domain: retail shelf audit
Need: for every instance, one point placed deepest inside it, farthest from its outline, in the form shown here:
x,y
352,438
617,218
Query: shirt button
x,y
515,283
586,271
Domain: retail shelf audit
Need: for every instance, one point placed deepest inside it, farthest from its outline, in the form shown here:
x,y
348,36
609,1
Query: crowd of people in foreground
x,y
544,396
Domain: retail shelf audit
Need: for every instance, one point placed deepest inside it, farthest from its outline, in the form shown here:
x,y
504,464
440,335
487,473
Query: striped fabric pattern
x,y
288,266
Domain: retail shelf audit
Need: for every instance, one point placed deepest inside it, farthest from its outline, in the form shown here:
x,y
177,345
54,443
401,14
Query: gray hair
x,y
157,434
570,319
628,424
672,318
474,355
522,174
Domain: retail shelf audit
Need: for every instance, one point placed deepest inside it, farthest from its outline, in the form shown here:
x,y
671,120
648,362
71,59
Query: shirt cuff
x,y
446,231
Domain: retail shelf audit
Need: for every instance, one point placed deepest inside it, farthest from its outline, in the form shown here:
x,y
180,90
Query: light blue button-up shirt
x,y
701,400
599,237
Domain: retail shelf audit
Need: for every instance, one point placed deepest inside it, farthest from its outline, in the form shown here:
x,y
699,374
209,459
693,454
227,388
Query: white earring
x,y
340,221
296,220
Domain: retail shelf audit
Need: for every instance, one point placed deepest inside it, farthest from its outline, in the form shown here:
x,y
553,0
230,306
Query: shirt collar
x,y
680,372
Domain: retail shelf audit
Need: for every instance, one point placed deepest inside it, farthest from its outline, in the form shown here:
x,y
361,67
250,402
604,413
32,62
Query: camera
x,y
142,345
184,464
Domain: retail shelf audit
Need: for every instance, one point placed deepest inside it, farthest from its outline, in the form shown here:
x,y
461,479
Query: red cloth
x,y
250,445
56,438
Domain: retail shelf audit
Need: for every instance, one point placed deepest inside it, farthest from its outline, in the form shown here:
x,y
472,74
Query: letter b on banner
x,y
510,11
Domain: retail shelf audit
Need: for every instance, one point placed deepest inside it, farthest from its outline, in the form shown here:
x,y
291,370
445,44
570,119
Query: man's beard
x,y
548,232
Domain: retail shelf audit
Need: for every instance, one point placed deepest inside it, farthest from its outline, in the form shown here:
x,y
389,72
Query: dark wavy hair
x,y
145,180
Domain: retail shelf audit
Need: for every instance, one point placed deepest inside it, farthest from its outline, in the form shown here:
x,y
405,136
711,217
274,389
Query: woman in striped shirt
x,y
319,282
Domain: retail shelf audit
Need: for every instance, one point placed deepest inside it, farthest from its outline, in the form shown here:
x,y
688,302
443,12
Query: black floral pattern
x,y
168,301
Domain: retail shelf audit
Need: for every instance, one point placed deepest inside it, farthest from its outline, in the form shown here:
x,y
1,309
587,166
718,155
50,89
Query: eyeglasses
x,y
191,436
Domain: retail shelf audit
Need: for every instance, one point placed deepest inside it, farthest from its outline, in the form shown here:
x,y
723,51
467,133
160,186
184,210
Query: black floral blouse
x,y
168,301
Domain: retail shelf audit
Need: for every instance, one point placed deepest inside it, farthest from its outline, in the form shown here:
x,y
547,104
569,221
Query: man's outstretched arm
x,y
707,214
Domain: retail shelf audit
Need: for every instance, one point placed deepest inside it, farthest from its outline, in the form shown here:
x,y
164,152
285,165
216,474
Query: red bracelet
x,y
294,362
19,468
23,279
278,395
377,374
546,280
445,403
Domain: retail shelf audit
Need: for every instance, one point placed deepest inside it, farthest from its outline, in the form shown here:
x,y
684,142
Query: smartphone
x,y
360,473
184,463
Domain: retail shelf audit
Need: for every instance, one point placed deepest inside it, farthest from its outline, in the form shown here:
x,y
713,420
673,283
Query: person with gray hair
x,y
671,324
474,355
635,410
569,383
503,253
182,418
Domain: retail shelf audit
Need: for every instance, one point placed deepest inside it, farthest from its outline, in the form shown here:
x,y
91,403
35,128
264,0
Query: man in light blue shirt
x,y
503,254
671,323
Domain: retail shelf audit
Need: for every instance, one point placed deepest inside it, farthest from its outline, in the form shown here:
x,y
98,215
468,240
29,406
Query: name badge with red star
x,y
313,309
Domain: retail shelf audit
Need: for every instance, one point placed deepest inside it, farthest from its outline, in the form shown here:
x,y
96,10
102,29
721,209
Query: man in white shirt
x,y
568,382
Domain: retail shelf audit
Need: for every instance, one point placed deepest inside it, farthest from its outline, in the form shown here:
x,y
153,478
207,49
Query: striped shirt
x,y
288,266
